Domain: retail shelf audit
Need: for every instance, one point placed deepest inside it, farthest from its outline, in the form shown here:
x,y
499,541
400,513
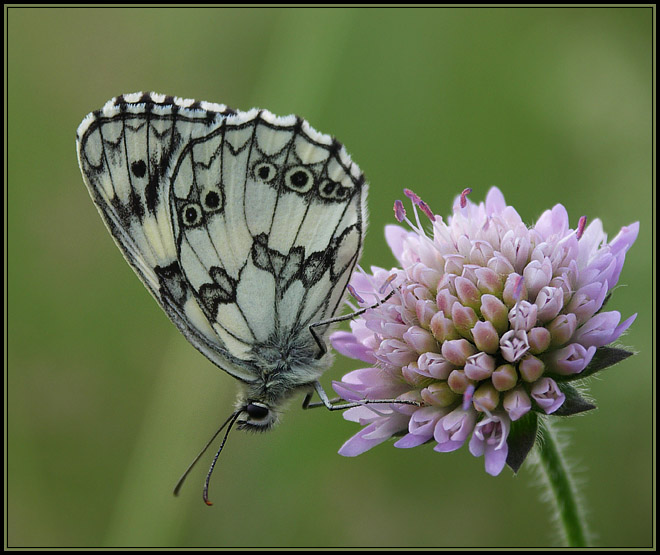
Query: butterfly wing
x,y
280,209
125,151
244,226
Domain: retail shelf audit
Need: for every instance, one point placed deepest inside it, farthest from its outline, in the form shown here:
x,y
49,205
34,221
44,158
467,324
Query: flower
x,y
486,323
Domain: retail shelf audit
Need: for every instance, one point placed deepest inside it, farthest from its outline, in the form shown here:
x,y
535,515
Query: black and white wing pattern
x,y
244,226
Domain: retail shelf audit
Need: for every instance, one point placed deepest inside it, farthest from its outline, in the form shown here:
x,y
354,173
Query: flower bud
x,y
504,377
439,394
443,328
516,403
485,337
464,319
489,281
515,246
486,397
549,302
434,365
514,345
539,340
515,289
523,315
479,367
481,252
500,264
563,282
531,368
445,300
496,312
425,310
561,329
458,381
457,351
420,340
467,292
537,275
454,264
429,277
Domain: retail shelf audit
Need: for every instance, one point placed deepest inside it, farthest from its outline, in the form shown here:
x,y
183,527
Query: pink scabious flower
x,y
481,329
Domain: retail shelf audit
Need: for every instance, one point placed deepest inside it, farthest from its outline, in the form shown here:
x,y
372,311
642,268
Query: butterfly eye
x,y
299,179
257,411
212,201
265,172
191,214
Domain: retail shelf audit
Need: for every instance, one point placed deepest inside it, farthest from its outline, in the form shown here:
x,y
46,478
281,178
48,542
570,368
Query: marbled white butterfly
x,y
244,226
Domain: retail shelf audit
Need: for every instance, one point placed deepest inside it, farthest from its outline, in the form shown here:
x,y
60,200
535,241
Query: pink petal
x,y
395,236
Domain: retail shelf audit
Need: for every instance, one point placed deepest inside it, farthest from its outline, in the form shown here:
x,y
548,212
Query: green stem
x,y
562,488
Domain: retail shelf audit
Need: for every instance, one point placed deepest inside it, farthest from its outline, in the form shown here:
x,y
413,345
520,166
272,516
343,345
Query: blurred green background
x,y
107,403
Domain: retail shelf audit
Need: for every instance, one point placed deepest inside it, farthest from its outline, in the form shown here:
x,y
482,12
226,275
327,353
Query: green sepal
x,y
574,402
603,358
522,437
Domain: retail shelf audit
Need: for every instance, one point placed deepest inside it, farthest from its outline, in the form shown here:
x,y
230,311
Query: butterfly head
x,y
256,416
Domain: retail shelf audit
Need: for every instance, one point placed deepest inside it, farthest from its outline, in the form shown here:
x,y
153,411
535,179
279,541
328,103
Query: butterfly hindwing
x,y
244,226
125,151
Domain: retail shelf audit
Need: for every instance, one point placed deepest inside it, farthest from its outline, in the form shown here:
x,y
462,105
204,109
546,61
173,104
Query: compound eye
x,y
257,411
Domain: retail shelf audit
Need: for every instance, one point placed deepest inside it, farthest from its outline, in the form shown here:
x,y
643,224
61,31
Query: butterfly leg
x,y
330,403
323,349
307,405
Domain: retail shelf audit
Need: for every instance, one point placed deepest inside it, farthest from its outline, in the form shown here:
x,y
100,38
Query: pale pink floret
x,y
489,439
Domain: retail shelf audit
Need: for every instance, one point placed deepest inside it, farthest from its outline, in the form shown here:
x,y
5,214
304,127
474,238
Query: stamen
x,y
412,196
467,396
354,293
389,280
399,211
464,195
517,288
417,201
350,305
425,208
581,225
371,280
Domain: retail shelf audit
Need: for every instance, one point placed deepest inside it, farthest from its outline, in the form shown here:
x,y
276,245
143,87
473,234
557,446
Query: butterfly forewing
x,y
244,226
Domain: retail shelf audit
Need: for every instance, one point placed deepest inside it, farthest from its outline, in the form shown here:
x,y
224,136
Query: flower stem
x,y
561,488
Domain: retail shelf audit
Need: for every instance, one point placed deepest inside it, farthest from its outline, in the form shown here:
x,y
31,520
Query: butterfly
x,y
244,226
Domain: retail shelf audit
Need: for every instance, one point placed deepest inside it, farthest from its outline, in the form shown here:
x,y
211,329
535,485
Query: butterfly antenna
x,y
231,418
205,493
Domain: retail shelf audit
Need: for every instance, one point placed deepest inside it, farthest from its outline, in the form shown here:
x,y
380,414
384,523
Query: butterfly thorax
x,y
287,363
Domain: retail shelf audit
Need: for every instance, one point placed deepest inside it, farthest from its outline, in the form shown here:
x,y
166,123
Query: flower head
x,y
488,323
